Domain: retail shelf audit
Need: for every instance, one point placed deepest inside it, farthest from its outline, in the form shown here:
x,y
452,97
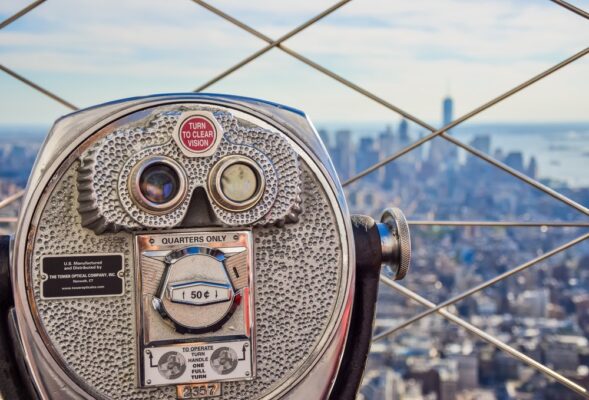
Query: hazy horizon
x,y
355,125
561,149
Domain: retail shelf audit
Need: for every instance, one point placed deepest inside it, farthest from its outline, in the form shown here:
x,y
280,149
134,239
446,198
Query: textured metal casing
x,y
317,373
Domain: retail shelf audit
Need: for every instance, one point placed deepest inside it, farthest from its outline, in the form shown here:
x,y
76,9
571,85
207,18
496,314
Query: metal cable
x,y
234,21
313,64
488,338
521,176
502,224
38,88
19,14
303,26
273,44
469,115
482,286
526,179
21,78
416,120
572,8
11,199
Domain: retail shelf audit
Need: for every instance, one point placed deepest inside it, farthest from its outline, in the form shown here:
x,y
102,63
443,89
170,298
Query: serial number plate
x,y
199,391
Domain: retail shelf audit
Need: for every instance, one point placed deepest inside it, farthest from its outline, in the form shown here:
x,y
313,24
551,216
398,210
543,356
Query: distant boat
x,y
554,162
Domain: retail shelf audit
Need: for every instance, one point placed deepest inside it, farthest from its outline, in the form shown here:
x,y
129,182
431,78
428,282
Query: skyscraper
x,y
343,154
366,157
448,110
387,144
515,160
481,143
404,141
533,168
442,152
404,132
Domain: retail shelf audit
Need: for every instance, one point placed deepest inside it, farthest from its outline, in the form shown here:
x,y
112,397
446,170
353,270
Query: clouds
x,y
410,53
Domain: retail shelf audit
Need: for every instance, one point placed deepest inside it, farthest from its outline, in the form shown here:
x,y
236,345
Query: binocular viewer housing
x,y
192,246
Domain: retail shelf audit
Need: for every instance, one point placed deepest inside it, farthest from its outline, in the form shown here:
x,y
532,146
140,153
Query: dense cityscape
x,y
543,311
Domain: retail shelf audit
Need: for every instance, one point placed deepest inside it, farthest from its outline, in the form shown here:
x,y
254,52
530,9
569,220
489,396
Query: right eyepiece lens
x,y
159,183
239,182
236,183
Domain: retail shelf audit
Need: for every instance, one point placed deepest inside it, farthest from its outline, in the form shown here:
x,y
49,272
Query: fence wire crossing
x,y
442,132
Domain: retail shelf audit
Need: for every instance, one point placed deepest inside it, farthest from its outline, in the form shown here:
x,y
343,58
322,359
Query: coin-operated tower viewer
x,y
188,247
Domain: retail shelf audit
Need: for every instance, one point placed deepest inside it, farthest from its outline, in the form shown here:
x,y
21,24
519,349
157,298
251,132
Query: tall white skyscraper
x,y
442,152
447,110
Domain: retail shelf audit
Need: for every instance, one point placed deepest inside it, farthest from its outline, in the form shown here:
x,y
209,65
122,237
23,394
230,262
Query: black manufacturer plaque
x,y
82,276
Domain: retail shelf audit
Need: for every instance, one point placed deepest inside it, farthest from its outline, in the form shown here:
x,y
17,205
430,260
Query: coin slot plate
x,y
168,357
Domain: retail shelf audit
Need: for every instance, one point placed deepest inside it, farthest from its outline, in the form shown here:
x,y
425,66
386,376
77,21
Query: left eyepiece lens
x,y
157,184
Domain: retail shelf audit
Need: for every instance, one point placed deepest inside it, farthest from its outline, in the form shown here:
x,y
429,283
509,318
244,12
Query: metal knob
x,y
395,241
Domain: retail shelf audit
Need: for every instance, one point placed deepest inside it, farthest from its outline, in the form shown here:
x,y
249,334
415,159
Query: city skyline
x,y
551,160
546,144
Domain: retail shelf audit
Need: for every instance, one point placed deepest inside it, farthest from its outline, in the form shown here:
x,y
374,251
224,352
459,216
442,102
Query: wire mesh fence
x,y
442,308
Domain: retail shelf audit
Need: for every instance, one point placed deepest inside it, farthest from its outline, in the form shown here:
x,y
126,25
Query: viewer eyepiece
x,y
236,183
158,184
186,246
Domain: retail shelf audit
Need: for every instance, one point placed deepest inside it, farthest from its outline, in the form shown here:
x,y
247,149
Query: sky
x,y
411,53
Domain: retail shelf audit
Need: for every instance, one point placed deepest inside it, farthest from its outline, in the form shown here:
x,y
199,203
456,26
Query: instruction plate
x,y
197,363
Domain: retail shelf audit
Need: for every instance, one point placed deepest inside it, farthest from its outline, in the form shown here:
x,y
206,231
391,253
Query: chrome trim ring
x,y
135,188
158,301
216,185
